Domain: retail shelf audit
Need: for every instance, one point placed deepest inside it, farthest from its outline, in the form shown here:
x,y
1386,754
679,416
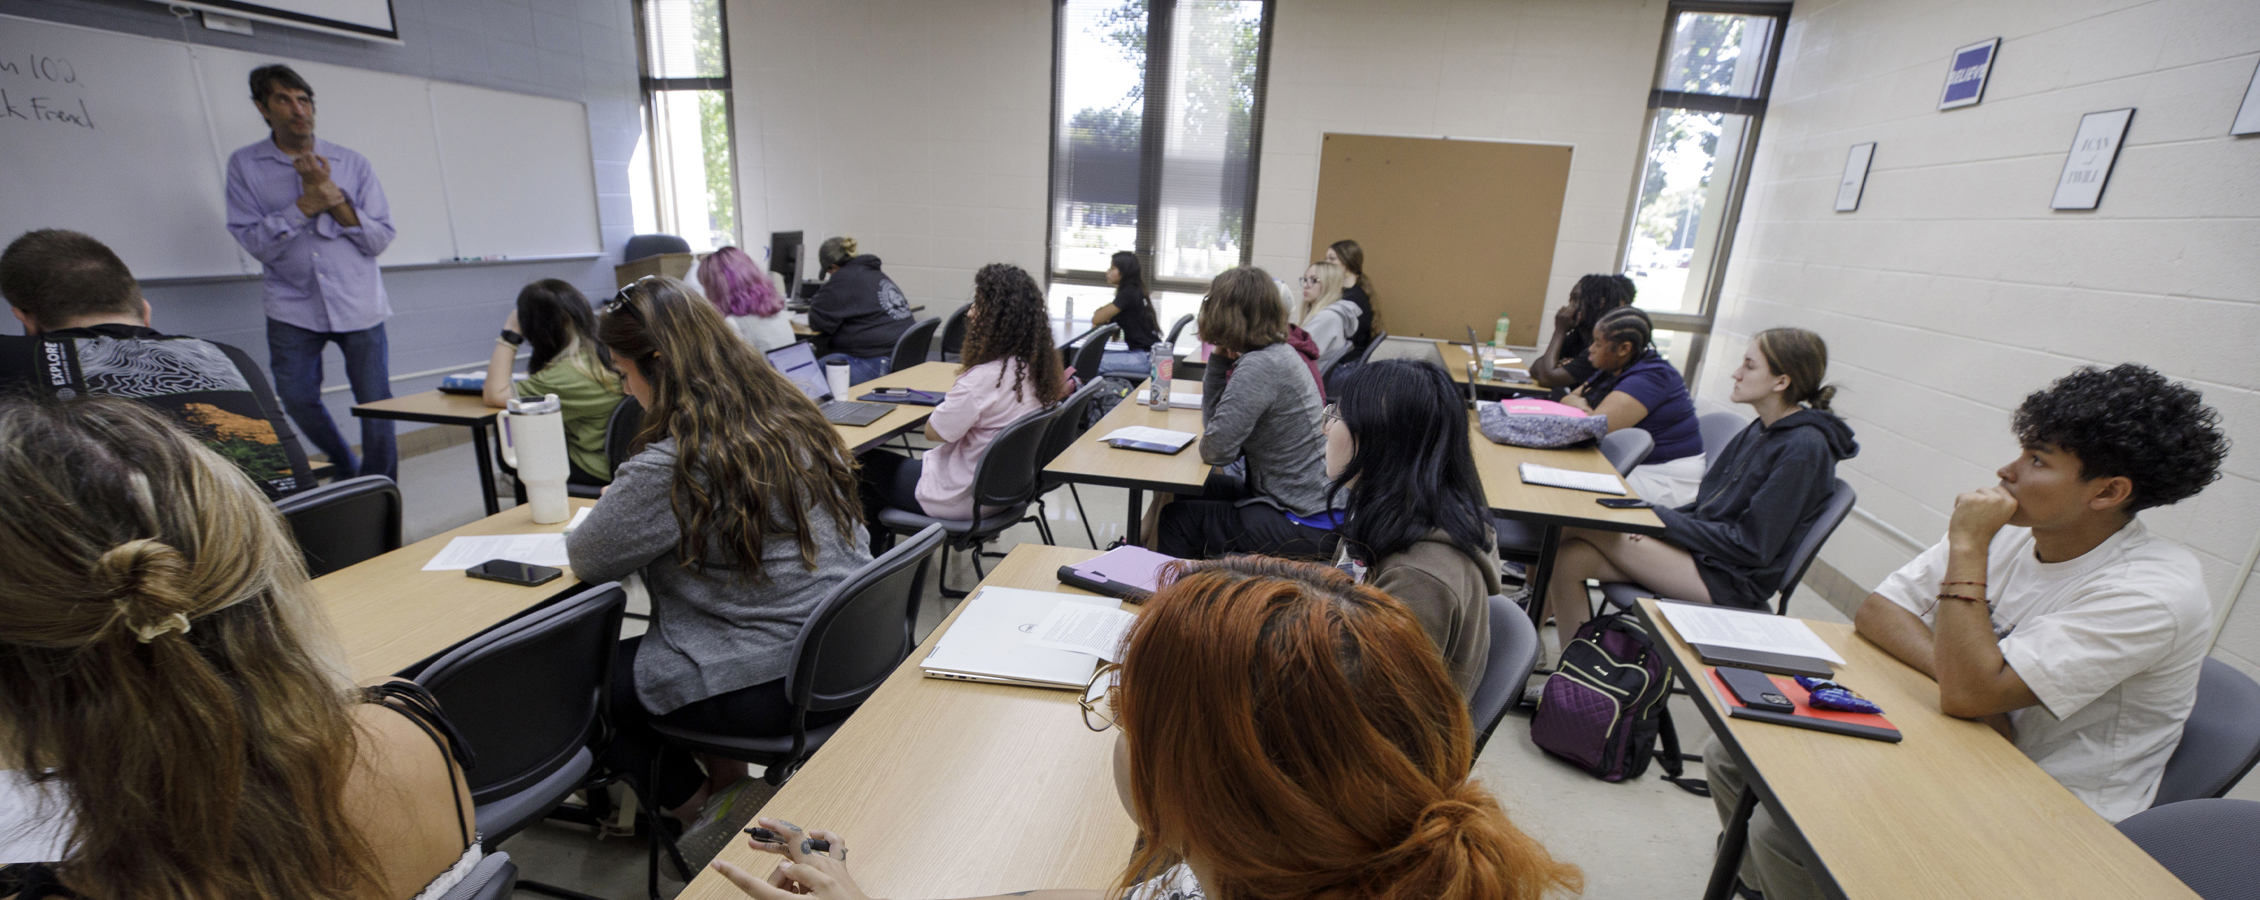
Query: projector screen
x,y
367,19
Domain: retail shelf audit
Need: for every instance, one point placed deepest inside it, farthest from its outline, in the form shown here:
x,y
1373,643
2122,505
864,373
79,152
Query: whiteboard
x,y
469,172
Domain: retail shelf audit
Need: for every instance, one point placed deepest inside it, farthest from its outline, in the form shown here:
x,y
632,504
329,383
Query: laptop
x,y
988,642
798,362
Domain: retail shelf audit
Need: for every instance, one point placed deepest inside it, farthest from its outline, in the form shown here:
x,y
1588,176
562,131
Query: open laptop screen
x,y
798,362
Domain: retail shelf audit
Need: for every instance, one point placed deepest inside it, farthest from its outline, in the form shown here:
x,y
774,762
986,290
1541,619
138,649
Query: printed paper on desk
x,y
1148,435
1083,628
1185,397
465,552
1597,482
1746,630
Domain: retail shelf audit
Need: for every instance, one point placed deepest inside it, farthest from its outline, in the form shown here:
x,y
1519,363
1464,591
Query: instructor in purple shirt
x,y
314,216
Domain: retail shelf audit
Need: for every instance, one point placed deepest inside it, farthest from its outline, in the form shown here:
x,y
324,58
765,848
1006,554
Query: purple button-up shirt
x,y
321,276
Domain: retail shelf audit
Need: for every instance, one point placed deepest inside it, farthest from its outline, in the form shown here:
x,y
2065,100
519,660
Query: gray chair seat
x,y
2212,845
2220,741
1513,655
907,521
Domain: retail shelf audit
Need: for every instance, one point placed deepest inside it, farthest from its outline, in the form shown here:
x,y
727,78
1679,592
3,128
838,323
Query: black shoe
x,y
1743,891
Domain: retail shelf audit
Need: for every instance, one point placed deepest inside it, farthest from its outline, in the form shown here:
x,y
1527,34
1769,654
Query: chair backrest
x,y
2212,845
529,694
953,333
1718,428
1833,513
863,629
643,245
493,877
2220,741
911,347
620,430
1009,471
344,522
1178,327
1514,654
1093,352
1627,447
1067,426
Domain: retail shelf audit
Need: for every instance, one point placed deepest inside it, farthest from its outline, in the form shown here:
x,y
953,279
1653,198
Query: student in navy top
x,y
1635,387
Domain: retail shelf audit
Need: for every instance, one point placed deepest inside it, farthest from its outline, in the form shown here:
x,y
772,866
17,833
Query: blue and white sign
x,y
1965,76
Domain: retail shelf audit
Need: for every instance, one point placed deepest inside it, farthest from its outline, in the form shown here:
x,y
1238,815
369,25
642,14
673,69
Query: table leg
x,y
486,468
1137,509
1536,575
1731,845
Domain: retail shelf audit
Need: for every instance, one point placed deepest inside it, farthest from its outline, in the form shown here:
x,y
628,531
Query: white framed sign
x,y
2095,147
1966,74
1855,178
2248,115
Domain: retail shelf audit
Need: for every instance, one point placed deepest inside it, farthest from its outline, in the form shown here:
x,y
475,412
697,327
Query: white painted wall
x,y
1955,290
922,129
1553,71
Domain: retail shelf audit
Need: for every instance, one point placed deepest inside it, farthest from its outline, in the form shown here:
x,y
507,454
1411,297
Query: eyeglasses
x,y
1309,280
1098,698
1332,413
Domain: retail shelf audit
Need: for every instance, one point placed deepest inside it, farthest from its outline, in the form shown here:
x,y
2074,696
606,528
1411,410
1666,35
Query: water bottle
x,y
1157,374
1499,336
1071,314
533,442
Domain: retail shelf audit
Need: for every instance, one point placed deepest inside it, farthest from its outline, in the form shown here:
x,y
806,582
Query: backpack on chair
x,y
1604,708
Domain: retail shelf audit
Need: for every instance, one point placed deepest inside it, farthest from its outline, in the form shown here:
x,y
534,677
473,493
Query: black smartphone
x,y
504,570
1623,502
1755,690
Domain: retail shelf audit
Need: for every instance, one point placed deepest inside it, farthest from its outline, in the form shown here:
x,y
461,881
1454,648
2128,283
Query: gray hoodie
x,y
1757,501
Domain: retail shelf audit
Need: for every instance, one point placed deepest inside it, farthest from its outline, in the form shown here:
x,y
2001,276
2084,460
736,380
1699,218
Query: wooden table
x,y
934,377
1456,359
1952,811
389,614
1089,462
433,407
1551,508
957,789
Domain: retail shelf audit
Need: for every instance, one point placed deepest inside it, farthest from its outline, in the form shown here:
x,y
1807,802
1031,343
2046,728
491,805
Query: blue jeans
x,y
294,355
860,368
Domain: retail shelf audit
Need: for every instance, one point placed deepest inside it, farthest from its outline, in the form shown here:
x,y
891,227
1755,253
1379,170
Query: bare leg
x,y
1615,556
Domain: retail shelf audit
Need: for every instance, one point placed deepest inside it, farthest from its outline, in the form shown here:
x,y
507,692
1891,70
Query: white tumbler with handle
x,y
533,442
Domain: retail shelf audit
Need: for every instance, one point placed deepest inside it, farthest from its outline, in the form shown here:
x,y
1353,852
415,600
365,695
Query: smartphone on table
x,y
1623,502
503,570
1755,690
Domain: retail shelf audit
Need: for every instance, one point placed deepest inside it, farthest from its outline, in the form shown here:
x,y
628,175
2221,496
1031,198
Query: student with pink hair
x,y
738,287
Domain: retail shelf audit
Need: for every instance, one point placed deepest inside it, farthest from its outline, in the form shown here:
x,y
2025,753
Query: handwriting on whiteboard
x,y
38,104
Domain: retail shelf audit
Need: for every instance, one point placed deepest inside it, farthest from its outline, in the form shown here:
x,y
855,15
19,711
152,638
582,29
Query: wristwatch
x,y
513,338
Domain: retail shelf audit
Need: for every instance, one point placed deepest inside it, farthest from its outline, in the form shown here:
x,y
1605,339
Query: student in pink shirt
x,y
1010,368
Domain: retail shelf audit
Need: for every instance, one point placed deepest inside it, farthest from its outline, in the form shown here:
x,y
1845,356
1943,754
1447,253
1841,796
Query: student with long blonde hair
x,y
165,675
1284,733
1324,314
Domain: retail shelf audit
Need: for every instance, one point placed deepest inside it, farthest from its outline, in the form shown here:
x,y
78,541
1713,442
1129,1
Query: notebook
x,y
1861,725
1151,440
1597,482
471,382
988,642
1128,572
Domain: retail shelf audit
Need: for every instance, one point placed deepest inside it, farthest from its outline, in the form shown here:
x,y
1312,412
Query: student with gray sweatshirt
x,y
1259,404
740,513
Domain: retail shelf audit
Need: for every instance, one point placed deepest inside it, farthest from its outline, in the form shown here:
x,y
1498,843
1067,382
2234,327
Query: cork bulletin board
x,y
1455,231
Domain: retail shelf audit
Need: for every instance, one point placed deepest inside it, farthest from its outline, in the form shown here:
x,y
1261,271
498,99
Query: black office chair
x,y
643,245
2221,740
1067,428
953,334
1719,429
530,697
491,878
853,641
1006,477
1513,656
1178,327
911,347
1624,448
1092,353
1622,594
2212,845
619,432
344,522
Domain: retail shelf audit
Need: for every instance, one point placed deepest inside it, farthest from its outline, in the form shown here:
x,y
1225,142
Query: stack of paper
x,y
465,552
1185,397
1140,434
1746,630
1597,482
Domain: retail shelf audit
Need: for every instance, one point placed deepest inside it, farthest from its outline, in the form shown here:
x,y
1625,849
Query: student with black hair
x,y
1563,364
1415,523
1133,309
555,318
860,308
1635,386
2049,611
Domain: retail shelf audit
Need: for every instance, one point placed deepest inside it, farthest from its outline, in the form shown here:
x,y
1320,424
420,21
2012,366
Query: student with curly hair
x,y
1009,369
1284,732
1563,362
2048,610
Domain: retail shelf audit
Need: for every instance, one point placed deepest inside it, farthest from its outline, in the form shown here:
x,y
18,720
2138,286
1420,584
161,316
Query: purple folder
x,y
1127,572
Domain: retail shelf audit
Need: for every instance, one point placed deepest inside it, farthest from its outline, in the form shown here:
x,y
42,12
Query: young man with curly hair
x,y
2049,611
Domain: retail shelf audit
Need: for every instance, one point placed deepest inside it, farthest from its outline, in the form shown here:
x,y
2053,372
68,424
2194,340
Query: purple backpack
x,y
1603,709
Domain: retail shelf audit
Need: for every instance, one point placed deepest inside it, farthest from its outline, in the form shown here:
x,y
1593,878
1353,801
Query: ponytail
x,y
1803,356
1463,846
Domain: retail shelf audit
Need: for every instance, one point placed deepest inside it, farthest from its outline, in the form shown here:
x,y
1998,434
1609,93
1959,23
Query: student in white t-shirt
x,y
2049,611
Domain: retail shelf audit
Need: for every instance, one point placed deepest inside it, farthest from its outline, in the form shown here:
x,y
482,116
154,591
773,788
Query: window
x,y
684,180
1180,193
1709,99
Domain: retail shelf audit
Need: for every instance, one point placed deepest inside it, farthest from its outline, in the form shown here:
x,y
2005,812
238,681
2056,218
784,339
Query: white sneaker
x,y
712,829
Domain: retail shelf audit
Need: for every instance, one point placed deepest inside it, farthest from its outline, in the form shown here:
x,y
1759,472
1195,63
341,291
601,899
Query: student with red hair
x,y
1258,765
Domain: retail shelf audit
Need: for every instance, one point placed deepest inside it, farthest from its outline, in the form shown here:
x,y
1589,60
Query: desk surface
x,y
930,376
953,789
1500,467
1952,811
1089,462
390,614
1456,359
429,406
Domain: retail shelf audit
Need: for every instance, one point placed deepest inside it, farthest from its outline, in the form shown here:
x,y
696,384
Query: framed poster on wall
x,y
1855,179
1967,73
2095,147
2248,115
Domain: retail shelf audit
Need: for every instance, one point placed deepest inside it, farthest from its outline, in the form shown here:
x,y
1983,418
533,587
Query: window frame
x,y
649,85
1160,20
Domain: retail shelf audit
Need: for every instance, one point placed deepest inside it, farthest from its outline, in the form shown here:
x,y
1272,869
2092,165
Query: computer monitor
x,y
798,362
786,254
